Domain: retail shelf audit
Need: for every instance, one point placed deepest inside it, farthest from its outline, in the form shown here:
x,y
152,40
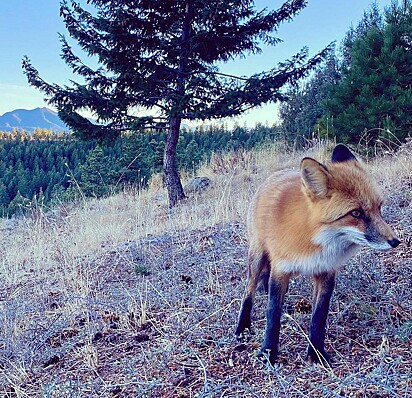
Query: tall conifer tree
x,y
164,55
374,95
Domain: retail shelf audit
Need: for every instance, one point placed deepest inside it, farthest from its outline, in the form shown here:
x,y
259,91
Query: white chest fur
x,y
336,248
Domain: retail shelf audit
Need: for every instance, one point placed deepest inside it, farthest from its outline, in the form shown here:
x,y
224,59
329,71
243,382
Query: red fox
x,y
309,222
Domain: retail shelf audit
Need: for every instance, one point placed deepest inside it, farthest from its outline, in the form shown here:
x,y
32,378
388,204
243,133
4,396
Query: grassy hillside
x,y
124,297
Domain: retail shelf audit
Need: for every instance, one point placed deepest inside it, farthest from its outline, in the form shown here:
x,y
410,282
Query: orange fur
x,y
310,222
286,216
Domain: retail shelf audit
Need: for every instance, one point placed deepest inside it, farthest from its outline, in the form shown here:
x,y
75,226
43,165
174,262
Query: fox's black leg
x,y
256,262
322,293
278,286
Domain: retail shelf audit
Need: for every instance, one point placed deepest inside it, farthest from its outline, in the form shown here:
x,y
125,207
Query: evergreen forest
x,y
45,168
363,90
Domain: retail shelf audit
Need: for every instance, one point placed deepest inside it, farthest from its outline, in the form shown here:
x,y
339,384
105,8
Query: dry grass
x,y
125,297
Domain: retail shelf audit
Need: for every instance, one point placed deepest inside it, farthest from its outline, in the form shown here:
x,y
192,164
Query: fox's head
x,y
345,202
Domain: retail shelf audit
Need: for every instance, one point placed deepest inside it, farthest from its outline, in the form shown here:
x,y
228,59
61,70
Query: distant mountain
x,y
29,120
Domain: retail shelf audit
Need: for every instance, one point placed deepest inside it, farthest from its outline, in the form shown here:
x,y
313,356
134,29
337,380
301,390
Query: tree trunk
x,y
171,173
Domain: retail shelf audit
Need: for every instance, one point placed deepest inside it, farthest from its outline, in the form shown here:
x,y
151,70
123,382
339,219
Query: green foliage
x,y
375,94
367,92
166,60
300,114
164,56
141,269
19,204
371,19
32,168
44,168
96,173
4,200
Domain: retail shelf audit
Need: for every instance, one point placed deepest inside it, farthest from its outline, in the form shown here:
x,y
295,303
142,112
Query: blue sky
x,y
31,27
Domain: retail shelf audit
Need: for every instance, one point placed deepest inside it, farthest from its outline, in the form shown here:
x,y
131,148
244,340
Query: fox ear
x,y
341,153
314,177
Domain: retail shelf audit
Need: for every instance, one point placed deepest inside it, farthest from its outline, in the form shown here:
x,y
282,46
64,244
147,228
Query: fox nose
x,y
394,242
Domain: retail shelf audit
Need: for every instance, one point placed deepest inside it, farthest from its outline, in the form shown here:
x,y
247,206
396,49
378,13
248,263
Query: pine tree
x,y
95,174
189,156
374,96
372,19
133,160
305,105
19,204
4,196
163,55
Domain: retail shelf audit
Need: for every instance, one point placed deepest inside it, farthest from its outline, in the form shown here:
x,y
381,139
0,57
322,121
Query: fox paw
x,y
320,357
243,336
267,356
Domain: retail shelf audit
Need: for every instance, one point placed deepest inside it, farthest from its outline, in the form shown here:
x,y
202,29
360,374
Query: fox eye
x,y
357,213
